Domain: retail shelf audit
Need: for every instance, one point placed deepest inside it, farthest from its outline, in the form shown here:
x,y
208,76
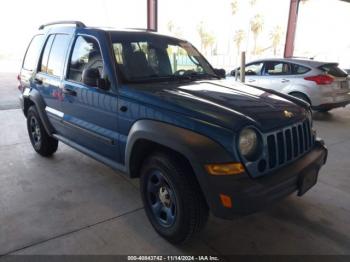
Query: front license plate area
x,y
307,181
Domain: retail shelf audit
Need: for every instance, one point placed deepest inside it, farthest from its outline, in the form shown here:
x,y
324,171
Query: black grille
x,y
289,143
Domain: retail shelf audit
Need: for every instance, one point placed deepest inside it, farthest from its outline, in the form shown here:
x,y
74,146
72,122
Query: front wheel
x,y
172,198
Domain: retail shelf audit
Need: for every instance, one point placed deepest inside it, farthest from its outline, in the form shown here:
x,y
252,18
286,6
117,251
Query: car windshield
x,y
152,58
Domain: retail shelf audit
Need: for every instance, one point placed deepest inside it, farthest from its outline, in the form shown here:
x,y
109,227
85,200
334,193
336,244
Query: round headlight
x,y
248,143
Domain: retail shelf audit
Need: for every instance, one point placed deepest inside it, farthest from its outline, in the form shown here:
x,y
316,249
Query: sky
x,y
322,26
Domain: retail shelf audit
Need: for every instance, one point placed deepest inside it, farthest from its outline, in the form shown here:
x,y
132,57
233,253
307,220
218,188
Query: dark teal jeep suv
x,y
152,107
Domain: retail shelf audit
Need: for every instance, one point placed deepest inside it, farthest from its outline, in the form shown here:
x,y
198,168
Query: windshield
x,y
155,58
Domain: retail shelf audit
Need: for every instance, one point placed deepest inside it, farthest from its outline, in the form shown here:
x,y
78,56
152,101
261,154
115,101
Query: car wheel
x,y
172,198
42,143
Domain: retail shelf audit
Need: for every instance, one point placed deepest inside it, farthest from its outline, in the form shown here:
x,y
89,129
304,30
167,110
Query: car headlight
x,y
249,143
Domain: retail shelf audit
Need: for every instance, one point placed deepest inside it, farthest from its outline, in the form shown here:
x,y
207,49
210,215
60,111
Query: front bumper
x,y
250,195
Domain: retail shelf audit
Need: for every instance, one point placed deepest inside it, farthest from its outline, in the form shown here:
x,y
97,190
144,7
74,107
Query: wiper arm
x,y
184,77
205,75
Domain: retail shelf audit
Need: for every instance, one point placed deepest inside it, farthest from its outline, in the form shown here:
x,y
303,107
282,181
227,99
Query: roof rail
x,y
77,23
141,29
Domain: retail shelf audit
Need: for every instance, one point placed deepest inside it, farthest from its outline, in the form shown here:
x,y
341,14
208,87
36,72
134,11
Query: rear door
x,y
49,76
276,75
90,113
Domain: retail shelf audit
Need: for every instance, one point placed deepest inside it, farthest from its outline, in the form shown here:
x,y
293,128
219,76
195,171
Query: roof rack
x,y
77,23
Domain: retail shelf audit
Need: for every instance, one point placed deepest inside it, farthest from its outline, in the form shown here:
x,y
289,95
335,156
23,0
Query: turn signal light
x,y
225,169
226,201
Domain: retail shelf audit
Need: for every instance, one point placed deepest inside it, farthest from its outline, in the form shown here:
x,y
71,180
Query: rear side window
x,y
52,61
33,51
86,54
299,70
334,70
45,57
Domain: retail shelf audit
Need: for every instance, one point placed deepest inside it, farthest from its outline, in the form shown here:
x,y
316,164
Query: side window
x,y
45,56
57,55
253,69
277,68
33,51
299,70
86,54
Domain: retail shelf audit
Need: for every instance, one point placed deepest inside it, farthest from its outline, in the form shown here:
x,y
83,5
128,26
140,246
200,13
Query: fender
x,y
35,97
198,149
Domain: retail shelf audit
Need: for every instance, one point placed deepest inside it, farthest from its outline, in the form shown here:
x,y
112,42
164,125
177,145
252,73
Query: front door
x,y
276,75
253,73
90,113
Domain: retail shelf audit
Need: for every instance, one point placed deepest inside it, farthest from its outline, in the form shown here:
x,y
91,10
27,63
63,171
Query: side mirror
x,y
92,77
233,73
220,72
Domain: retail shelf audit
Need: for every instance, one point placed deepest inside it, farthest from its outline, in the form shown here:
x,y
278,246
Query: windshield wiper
x,y
185,77
156,77
202,75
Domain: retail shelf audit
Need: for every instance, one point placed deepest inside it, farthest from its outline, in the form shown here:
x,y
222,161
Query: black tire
x,y
187,208
301,96
42,143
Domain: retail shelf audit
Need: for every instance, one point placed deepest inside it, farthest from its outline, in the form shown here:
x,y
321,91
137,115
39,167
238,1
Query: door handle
x,y
251,80
69,91
284,80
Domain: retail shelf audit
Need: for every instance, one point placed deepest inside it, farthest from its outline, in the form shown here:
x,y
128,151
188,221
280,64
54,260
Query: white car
x,y
324,85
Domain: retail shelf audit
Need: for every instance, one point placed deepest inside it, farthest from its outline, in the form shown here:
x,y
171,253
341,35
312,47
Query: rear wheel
x,y
172,198
42,143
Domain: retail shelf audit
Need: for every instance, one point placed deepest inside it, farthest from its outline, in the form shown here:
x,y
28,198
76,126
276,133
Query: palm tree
x,y
170,26
256,26
173,29
234,7
276,37
238,39
252,2
207,39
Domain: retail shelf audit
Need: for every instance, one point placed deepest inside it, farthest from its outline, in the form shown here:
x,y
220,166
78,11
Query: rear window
x,y
33,51
334,70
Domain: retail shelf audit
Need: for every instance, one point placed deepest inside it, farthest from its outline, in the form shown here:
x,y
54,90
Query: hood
x,y
228,104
